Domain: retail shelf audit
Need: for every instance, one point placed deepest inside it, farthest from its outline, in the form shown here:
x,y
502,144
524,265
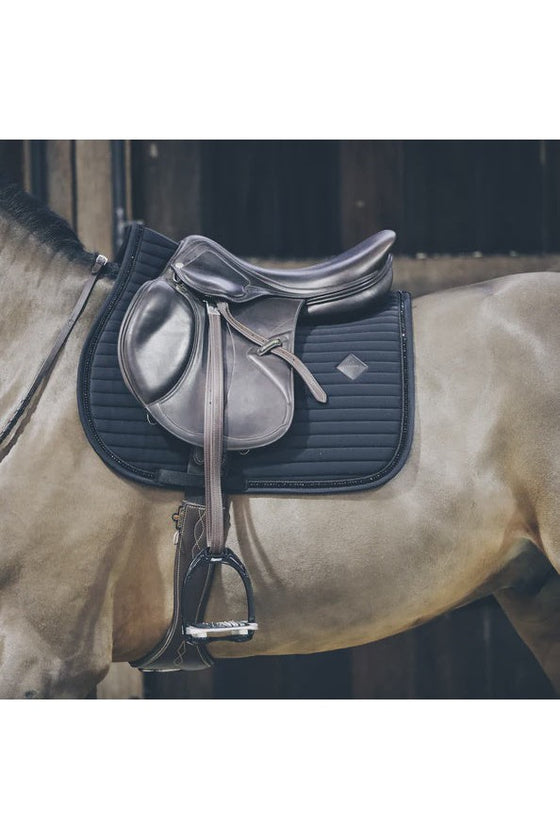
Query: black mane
x,y
43,223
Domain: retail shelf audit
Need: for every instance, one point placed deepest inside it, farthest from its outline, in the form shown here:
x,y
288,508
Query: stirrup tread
x,y
204,629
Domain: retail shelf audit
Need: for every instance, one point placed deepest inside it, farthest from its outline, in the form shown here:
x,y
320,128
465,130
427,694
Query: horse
x,y
86,563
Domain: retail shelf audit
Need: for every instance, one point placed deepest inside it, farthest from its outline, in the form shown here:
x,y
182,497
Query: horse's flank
x,y
87,557
476,488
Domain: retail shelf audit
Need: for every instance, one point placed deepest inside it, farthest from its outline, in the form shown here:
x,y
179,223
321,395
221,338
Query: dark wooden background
x,y
309,198
303,199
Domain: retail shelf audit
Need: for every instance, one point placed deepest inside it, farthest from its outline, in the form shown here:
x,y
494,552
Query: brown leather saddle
x,y
208,348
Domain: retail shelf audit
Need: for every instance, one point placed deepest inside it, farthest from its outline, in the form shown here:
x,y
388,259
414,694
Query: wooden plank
x,y
94,205
11,160
451,658
418,210
385,669
473,196
550,162
440,197
180,685
166,192
60,178
128,185
509,201
371,189
122,190
471,653
259,678
309,211
35,168
515,671
308,677
271,197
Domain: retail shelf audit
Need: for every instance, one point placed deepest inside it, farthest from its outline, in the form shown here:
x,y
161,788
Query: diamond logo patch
x,y
351,366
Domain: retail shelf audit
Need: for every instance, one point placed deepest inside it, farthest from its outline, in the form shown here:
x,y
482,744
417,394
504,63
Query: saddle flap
x,y
163,349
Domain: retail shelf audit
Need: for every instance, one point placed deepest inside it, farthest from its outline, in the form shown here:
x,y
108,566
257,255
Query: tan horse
x,y
86,557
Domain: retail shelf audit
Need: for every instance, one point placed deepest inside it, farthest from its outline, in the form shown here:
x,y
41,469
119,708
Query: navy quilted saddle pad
x,y
358,440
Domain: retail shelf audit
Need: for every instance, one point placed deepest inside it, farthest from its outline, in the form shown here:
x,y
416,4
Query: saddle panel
x,y
163,352
336,286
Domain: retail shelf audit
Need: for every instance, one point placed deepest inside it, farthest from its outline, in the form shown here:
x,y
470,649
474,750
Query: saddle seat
x,y
334,287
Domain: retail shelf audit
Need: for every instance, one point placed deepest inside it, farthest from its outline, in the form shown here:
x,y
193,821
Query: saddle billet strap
x,y
173,652
99,263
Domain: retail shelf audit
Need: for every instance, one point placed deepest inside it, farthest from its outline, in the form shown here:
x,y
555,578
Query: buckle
x,y
198,632
100,262
268,346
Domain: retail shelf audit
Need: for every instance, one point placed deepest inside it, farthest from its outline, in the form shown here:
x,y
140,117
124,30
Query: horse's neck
x,y
38,289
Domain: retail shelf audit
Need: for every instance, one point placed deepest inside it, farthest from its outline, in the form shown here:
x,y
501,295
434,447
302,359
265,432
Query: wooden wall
x,y
303,199
290,199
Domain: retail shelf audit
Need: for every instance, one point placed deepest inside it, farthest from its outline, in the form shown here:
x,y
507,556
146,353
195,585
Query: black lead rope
x,y
44,370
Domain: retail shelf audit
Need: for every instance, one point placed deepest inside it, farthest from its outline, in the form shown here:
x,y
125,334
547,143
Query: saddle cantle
x,y
208,348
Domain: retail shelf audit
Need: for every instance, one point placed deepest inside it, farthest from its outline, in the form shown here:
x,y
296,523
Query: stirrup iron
x,y
198,632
